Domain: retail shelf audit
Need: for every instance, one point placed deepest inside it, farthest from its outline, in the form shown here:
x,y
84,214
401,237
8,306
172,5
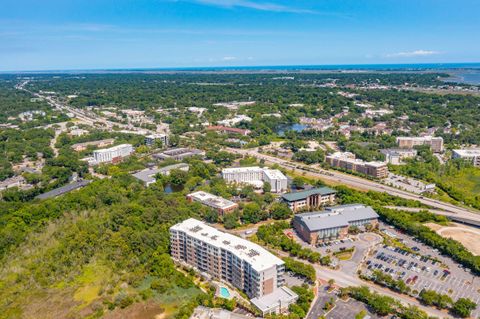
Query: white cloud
x,y
409,54
229,58
262,6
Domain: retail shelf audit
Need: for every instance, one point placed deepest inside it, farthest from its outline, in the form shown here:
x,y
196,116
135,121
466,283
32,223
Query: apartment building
x,y
333,223
469,154
151,139
220,204
435,143
396,156
256,176
310,198
113,154
347,161
245,265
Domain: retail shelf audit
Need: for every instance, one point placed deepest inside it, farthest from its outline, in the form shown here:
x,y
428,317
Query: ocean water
x,y
470,77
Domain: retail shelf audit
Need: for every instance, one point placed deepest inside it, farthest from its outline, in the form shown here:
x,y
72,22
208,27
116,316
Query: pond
x,y
290,127
169,188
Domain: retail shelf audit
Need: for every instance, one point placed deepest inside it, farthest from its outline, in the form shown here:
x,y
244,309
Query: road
x,y
358,183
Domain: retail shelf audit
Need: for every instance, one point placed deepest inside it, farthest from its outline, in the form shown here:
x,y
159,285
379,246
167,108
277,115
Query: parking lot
x,y
424,269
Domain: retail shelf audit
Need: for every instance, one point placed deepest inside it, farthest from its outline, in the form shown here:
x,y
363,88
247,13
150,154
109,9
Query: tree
x,y
267,187
252,213
280,211
463,307
230,221
298,182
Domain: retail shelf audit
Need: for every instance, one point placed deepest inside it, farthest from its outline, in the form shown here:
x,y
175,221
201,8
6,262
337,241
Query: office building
x,y
178,154
256,176
113,154
243,264
471,154
333,222
147,176
220,204
348,162
101,143
309,199
150,140
396,156
435,143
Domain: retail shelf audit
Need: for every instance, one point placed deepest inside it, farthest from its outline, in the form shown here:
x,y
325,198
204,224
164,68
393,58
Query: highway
x,y
358,183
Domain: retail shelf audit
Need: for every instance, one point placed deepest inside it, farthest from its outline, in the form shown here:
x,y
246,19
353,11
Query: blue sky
x,y
84,34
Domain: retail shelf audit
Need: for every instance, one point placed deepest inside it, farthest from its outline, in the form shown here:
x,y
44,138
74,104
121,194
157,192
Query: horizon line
x,y
310,67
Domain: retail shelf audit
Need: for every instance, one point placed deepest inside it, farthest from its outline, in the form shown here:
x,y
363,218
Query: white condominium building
x,y
256,176
112,154
471,154
243,264
435,143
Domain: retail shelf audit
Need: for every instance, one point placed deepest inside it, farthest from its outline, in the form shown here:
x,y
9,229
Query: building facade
x,y
256,176
245,265
471,154
396,156
308,199
220,204
333,223
113,154
435,143
348,162
151,139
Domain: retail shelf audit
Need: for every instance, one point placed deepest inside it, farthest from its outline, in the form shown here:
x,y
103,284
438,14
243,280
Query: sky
x,y
105,34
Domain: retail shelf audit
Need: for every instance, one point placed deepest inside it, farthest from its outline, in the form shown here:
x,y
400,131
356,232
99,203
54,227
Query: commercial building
x,y
64,189
113,154
435,143
395,156
101,143
276,302
234,121
178,154
151,139
147,176
348,161
245,265
220,204
225,129
333,222
256,176
471,154
310,198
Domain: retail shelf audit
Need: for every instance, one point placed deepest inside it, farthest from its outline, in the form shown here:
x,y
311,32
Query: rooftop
x,y
113,148
273,300
468,152
64,189
212,200
258,257
291,197
337,216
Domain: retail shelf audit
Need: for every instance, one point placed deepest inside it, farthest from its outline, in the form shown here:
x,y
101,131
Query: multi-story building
x,y
101,143
256,176
220,204
151,139
113,154
310,198
333,222
225,129
147,176
395,156
470,154
348,161
435,143
178,154
245,265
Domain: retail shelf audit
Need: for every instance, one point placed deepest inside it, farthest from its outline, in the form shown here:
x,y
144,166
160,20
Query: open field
x,y
468,236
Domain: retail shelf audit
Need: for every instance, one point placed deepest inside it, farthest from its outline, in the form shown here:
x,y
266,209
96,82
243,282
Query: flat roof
x,y
242,169
113,148
337,216
274,173
212,200
468,152
295,196
258,257
147,175
282,295
64,189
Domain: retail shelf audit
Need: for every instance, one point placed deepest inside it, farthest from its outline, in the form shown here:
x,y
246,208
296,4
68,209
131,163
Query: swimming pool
x,y
224,292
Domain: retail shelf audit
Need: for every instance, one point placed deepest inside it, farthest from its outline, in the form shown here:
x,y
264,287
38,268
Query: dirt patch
x,y
468,236
149,310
